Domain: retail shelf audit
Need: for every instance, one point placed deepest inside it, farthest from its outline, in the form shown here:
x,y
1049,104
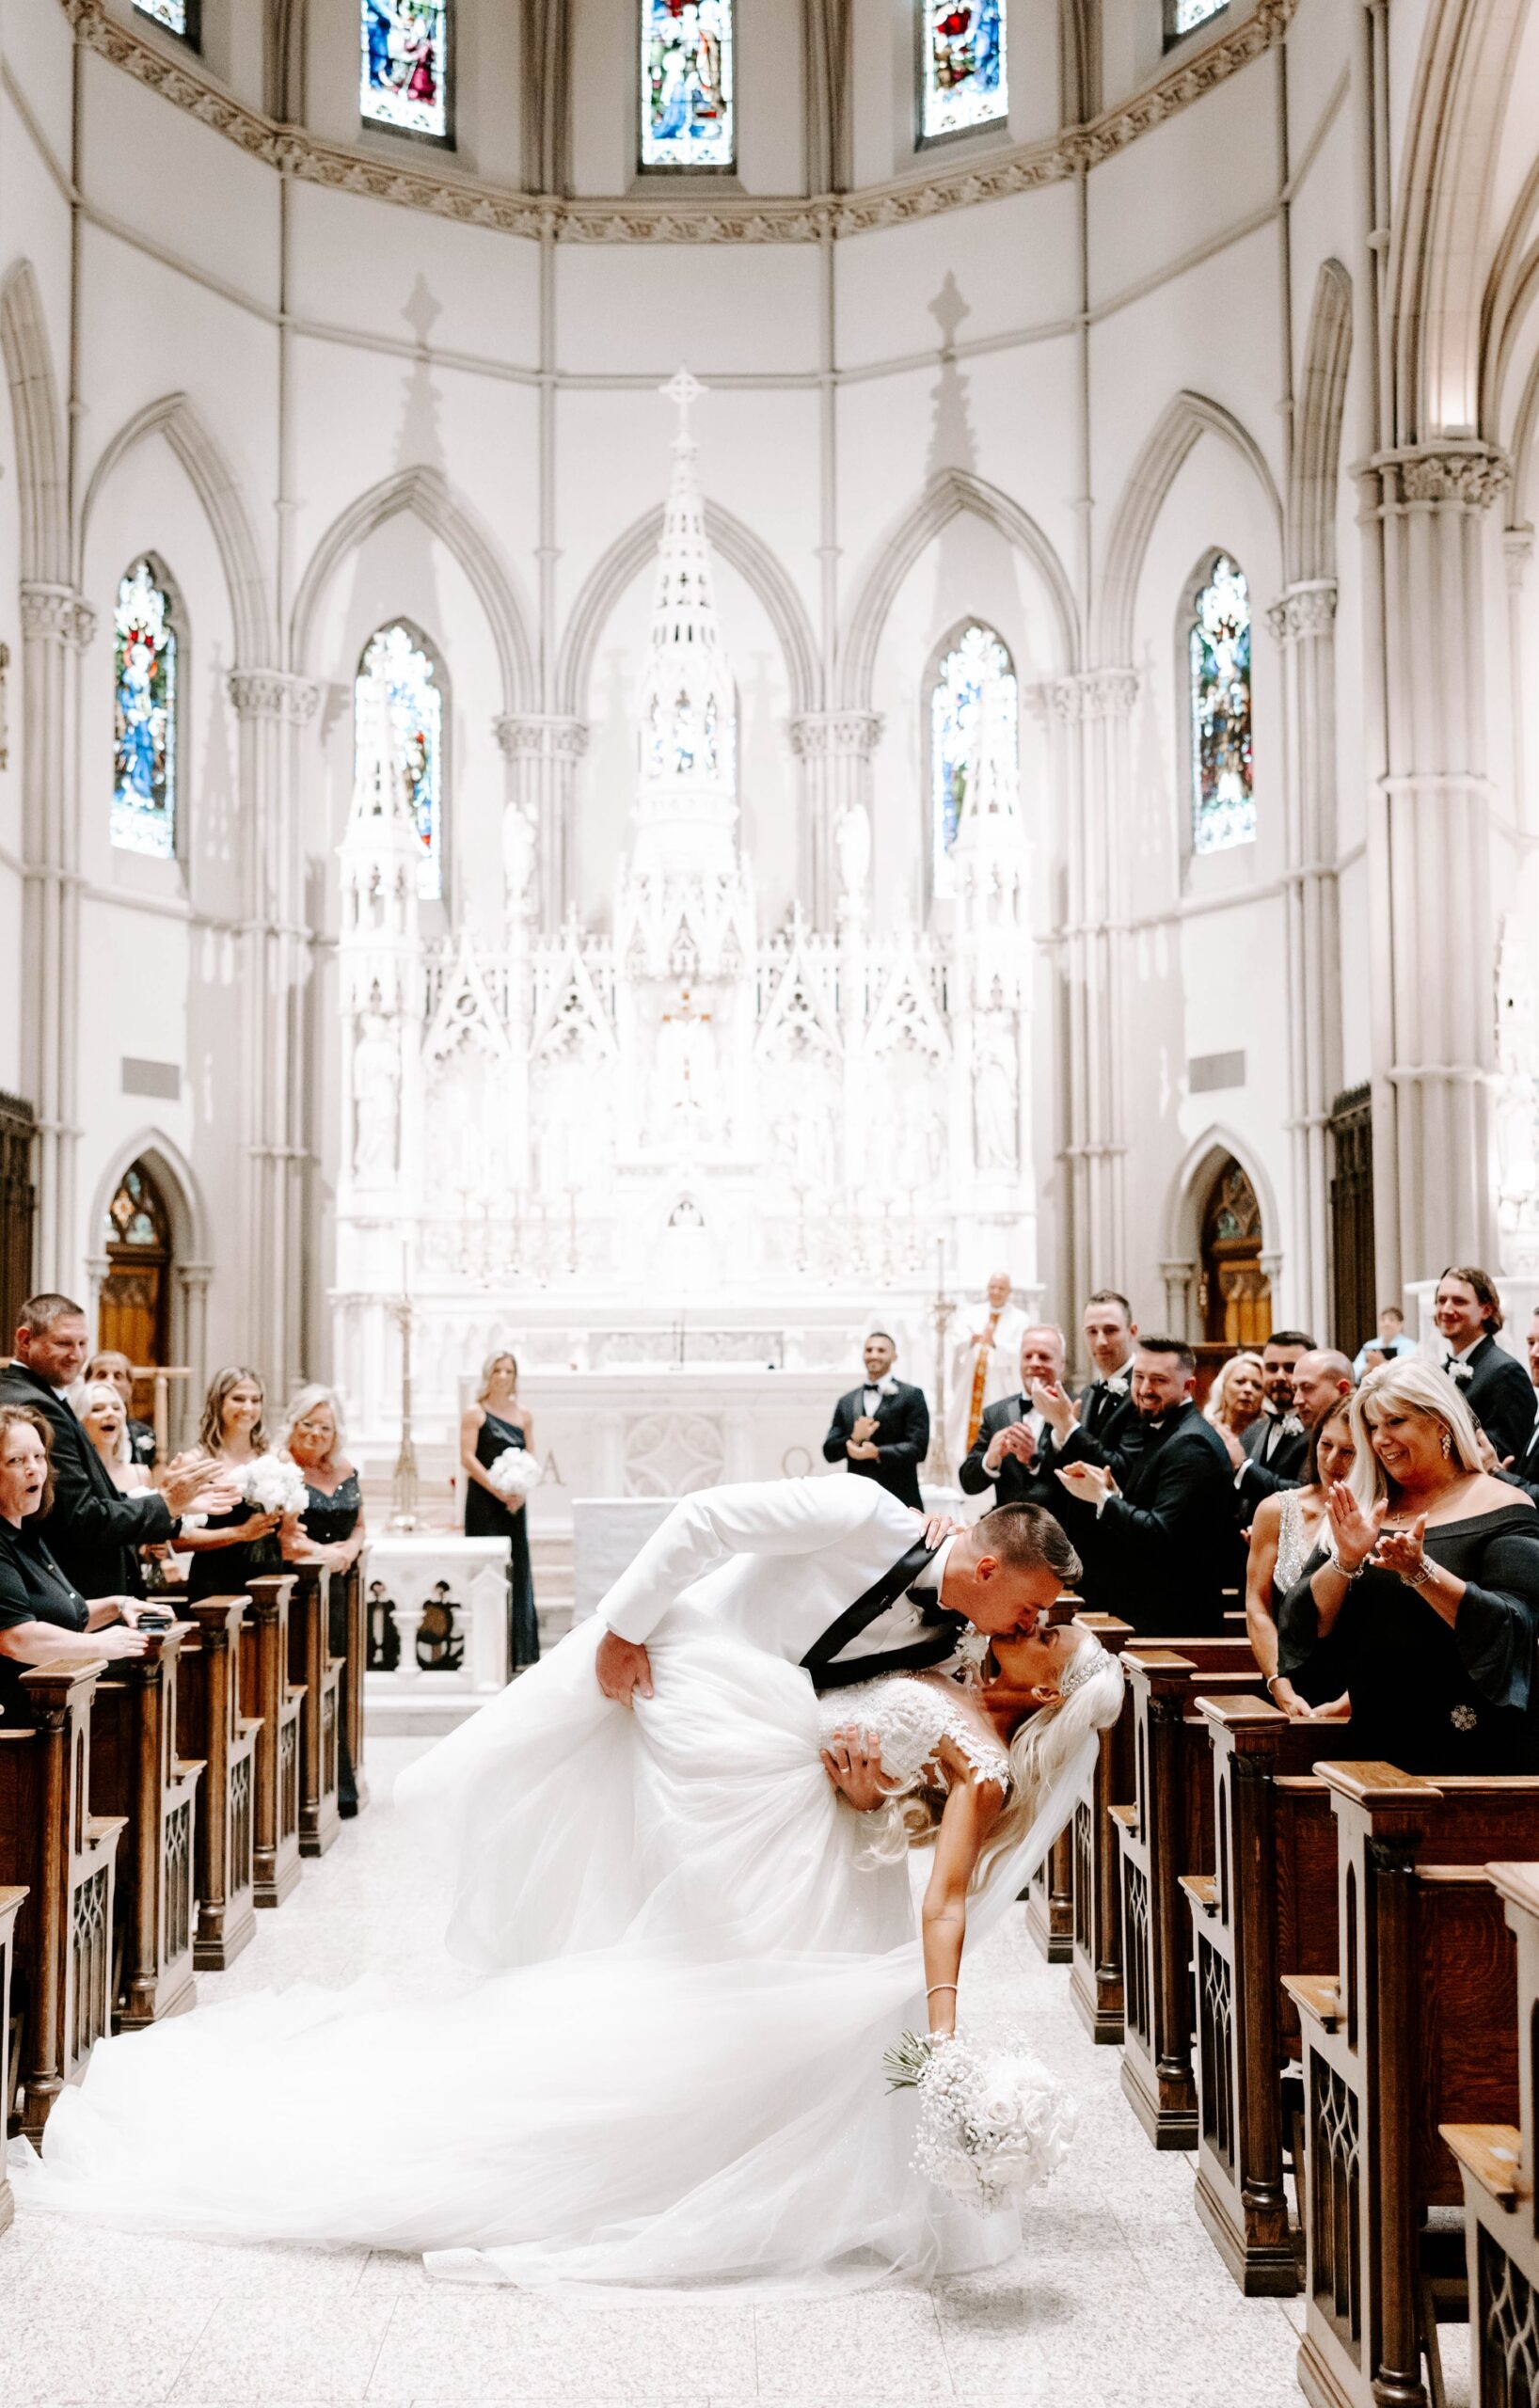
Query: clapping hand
x,y
1017,1439
1092,1483
1356,1533
1402,1551
1056,1405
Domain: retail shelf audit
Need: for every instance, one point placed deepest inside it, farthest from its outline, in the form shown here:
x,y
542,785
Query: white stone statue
x,y
995,1145
852,839
686,1089
517,857
376,1099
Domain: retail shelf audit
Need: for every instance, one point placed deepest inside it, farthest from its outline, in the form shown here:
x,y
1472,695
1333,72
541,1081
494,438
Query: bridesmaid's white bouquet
x,y
994,2123
270,1484
514,1472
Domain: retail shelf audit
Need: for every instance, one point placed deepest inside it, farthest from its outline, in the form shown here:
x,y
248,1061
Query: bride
x,y
682,2088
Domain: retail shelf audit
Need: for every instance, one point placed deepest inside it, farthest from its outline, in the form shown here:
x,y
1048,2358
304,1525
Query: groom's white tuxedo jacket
x,y
780,1560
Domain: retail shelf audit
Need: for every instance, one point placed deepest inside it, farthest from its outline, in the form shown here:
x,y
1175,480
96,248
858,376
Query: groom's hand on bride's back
x,y
624,1669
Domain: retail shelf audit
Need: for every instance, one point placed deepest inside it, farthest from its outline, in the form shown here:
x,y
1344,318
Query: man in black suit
x,y
1523,1471
94,1531
1165,1519
1496,1390
1321,1379
882,1431
1109,1331
1015,1451
1277,1442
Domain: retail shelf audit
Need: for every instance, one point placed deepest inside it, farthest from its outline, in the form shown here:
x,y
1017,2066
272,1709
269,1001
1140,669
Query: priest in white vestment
x,y
985,1362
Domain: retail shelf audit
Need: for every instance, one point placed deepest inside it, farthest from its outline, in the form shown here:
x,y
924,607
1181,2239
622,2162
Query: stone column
x,y
543,751
57,628
1434,1034
1178,1279
272,709
1094,712
193,1279
1304,623
833,750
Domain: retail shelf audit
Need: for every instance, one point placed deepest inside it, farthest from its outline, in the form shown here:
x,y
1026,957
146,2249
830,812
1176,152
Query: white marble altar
x,y
424,1704
607,1532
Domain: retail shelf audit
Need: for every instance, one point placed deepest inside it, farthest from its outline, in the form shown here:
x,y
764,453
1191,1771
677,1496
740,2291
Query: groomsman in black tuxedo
x,y
1524,1469
1496,1390
1015,1451
1277,1442
1109,1332
1163,1517
880,1430
1321,1379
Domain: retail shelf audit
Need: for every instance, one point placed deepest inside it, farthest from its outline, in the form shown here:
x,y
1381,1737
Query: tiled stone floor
x,y
1120,2301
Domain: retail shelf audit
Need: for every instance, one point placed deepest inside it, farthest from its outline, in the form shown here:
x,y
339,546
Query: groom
x,y
834,1574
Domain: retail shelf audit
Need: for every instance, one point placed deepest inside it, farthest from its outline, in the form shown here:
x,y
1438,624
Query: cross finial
x,y
682,390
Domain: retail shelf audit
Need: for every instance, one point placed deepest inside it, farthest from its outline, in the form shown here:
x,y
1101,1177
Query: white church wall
x,y
40,54
231,235
398,275
754,312
1010,270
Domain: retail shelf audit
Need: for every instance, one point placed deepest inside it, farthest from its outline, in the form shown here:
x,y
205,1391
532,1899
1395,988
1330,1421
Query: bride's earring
x,y
1447,1444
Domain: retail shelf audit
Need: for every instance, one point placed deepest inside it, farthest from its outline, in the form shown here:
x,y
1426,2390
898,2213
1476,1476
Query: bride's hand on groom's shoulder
x,y
934,1527
624,1670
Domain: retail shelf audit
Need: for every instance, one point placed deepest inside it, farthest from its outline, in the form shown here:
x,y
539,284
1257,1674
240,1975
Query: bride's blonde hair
x,y
1089,1699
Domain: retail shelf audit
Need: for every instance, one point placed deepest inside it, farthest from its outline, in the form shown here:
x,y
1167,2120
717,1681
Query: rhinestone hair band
x,y
1086,1664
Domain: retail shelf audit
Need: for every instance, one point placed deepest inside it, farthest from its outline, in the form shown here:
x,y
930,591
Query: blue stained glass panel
x,y
172,14
1218,651
404,65
396,667
144,718
962,71
687,106
974,700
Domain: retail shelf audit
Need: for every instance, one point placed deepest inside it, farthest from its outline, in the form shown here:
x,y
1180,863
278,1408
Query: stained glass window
x,y
144,687
404,65
177,16
975,741
1218,655
1185,16
398,682
686,109
961,71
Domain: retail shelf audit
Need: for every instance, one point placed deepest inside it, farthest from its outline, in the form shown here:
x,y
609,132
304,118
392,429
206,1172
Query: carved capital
x,y
541,736
271,693
825,735
1093,694
1304,609
1471,474
56,614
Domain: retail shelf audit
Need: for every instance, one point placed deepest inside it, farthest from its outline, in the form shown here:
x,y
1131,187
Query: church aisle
x,y
1124,2304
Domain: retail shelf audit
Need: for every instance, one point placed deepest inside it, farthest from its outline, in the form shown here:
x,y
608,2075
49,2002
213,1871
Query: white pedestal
x,y
409,1702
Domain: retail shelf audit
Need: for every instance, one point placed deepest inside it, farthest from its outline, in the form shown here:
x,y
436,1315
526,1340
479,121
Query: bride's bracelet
x,y
938,1986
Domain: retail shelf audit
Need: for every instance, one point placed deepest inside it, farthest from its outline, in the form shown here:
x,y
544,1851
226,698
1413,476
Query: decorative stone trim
x,y
1304,610
1025,167
1475,474
1093,694
272,694
818,735
58,614
542,735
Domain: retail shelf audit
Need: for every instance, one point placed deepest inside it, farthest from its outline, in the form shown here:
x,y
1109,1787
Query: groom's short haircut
x,y
1025,1538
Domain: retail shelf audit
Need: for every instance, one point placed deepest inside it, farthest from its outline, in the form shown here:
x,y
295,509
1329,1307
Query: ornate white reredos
x,y
671,1101
1023,167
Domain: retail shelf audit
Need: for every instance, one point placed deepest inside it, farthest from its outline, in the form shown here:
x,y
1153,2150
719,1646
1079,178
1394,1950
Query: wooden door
x,y
18,1211
1235,1293
1354,1305
134,1309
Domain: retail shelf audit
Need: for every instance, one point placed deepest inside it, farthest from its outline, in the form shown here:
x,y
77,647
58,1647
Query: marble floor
x,y
1121,2304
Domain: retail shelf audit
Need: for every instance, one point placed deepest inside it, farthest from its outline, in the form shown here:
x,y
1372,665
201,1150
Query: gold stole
x,y
980,1374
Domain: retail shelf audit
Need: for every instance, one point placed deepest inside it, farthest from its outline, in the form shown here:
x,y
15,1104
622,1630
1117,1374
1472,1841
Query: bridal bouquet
x,y
271,1485
994,2123
514,1472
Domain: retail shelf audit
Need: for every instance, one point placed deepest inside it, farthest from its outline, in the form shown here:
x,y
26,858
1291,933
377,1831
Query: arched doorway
x,y
134,1309
1234,1294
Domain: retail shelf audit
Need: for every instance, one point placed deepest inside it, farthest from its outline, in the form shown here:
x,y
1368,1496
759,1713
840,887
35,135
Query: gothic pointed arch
x,y
1314,491
635,550
177,418
1186,418
947,495
38,429
427,494
1193,1185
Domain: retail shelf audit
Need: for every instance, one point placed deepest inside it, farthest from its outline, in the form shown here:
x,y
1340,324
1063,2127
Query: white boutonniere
x,y
972,1656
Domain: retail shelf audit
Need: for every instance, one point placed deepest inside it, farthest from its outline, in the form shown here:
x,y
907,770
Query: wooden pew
x,y
268,1690
212,1726
319,1674
355,1619
1416,2028
1166,1831
1095,1980
11,1906
1269,1902
137,1772
65,1856
1496,2164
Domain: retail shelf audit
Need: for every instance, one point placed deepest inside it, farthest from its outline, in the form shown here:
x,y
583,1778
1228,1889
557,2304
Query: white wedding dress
x,y
668,2073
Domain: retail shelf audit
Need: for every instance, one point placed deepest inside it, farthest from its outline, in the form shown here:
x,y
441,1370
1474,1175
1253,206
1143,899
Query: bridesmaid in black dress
x,y
1424,1606
496,1421
331,1530
231,1548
